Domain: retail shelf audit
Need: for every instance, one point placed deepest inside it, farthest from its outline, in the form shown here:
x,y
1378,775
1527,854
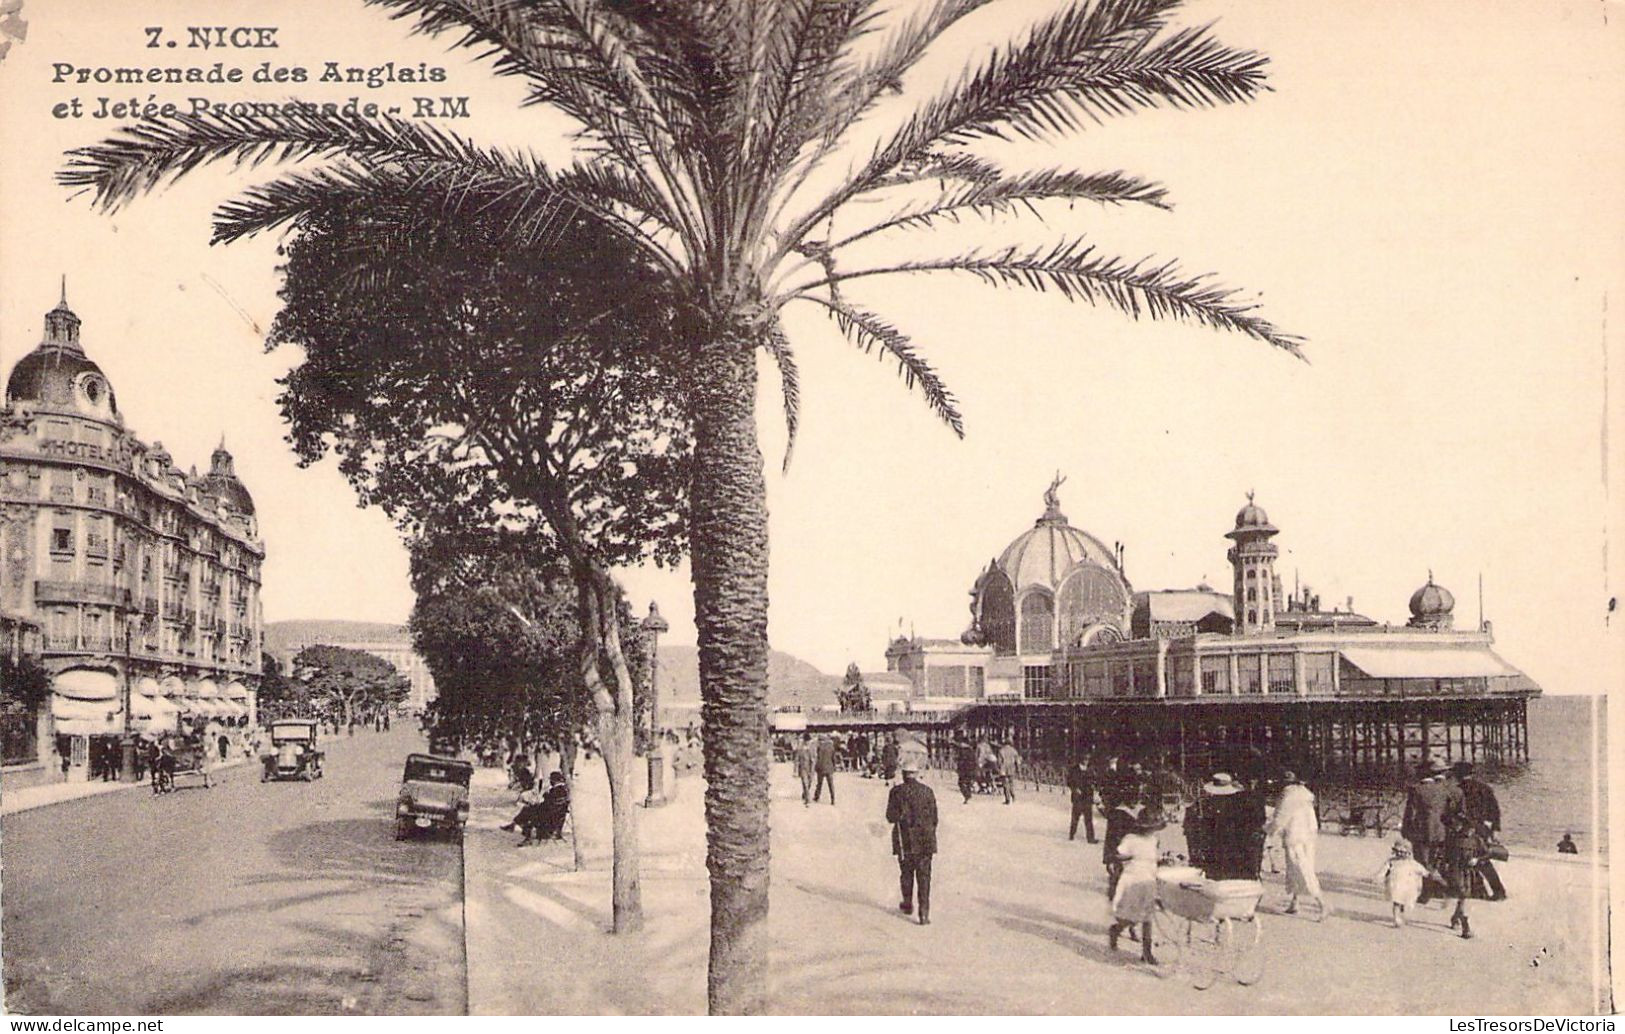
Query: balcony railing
x,y
81,592
72,643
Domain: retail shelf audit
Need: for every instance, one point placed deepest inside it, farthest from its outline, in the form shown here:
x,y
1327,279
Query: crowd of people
x,y
1446,848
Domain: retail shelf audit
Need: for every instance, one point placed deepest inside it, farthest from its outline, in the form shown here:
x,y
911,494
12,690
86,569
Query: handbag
x,y
1494,850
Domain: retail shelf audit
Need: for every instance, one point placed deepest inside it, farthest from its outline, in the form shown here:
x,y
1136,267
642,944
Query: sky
x,y
1430,198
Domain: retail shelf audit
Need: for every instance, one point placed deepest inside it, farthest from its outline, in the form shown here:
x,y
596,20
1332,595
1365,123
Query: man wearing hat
x,y
1483,811
1429,806
911,808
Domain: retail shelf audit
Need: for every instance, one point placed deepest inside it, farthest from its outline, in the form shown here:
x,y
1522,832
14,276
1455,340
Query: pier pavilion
x,y
1063,656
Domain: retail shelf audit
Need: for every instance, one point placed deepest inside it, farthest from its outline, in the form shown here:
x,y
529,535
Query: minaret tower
x,y
1252,558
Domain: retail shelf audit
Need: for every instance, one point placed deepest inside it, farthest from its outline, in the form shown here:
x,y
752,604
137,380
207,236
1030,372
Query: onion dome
x,y
1252,520
222,484
1431,604
58,374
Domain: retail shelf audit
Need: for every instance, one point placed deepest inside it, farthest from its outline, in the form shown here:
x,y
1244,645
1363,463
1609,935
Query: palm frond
x,y
778,346
1005,195
870,333
1138,289
598,62
1082,63
145,155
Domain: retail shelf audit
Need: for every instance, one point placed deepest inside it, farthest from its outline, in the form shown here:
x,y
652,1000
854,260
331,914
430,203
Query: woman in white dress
x,y
1299,830
1135,899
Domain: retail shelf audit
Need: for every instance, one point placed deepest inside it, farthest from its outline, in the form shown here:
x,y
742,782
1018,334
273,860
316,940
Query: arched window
x,y
999,614
1091,595
1037,623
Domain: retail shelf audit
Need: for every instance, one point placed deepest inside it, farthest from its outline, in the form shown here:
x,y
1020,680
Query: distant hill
x,y
791,681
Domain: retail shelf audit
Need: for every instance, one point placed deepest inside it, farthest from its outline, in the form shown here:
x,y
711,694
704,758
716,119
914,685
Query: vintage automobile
x,y
434,795
295,756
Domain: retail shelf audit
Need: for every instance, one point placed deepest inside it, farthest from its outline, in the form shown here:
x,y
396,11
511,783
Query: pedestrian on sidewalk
x,y
1479,804
965,765
890,755
911,808
1134,901
1080,779
1299,830
1402,878
806,761
824,766
1427,805
1009,762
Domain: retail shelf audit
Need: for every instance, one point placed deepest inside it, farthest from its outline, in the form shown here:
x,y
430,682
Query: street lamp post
x,y
653,625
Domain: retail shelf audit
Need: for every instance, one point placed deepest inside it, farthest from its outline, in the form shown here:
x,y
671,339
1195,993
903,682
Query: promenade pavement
x,y
30,797
1019,921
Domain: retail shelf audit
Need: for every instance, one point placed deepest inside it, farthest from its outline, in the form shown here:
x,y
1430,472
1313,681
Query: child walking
x,y
1134,899
1402,877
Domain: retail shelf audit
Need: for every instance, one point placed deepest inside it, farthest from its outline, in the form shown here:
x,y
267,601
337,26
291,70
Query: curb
x,y
9,806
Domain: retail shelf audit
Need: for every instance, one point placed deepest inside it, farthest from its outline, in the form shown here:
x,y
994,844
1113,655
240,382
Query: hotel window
x,y
62,540
1252,594
1248,670
1317,673
1283,673
1216,674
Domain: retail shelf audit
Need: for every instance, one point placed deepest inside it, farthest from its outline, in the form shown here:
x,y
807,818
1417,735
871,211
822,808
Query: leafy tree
x,y
495,399
753,151
278,696
349,682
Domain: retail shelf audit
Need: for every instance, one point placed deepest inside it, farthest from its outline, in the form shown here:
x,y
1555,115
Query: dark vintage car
x,y
294,754
434,795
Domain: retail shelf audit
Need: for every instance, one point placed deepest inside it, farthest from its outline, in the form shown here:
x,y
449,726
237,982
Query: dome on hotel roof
x,y
58,373
1049,550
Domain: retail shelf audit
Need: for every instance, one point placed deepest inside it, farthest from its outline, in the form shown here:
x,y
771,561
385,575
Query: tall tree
x,y
749,148
471,388
350,682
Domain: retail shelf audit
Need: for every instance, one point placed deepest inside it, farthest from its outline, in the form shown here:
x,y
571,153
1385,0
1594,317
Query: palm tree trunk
x,y
728,529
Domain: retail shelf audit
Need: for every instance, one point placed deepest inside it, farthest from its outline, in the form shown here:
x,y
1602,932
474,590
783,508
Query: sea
x,y
1564,788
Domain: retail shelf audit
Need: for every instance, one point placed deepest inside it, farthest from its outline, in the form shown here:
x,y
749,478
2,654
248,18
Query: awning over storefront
x,y
71,717
173,686
1464,662
85,684
152,714
232,709
143,705
208,688
147,686
237,691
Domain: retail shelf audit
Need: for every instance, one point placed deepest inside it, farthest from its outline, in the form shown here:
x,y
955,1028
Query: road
x,y
246,898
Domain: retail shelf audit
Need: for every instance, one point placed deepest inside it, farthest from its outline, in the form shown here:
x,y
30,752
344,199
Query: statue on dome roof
x,y
1052,499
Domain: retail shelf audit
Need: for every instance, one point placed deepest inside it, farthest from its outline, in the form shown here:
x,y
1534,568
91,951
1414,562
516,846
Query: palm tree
x,y
730,139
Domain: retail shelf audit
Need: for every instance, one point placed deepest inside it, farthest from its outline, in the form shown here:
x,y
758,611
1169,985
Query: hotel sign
x,y
118,456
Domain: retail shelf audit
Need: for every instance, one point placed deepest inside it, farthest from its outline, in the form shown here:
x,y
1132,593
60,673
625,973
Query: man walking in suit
x,y
1430,806
824,766
1009,762
912,810
1481,808
1080,779
806,768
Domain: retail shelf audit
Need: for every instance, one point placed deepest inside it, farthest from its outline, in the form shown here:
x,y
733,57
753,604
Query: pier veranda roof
x,y
1444,662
